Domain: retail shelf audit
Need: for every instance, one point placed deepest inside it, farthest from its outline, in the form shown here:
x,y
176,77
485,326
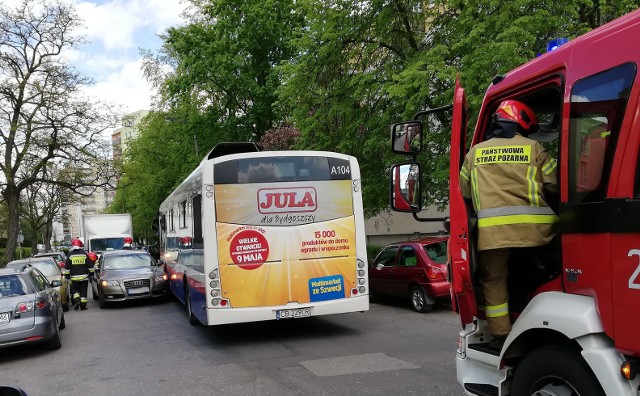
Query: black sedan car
x,y
123,275
30,309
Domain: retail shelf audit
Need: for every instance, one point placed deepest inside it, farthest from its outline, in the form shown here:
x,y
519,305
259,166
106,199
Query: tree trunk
x,y
48,233
12,198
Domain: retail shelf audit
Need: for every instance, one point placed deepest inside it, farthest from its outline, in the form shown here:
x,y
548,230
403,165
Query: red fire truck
x,y
575,303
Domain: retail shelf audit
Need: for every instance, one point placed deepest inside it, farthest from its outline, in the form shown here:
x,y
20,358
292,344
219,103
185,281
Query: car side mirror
x,y
56,283
379,266
161,262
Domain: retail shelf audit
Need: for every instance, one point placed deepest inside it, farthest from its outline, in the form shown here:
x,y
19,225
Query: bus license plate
x,y
293,313
4,317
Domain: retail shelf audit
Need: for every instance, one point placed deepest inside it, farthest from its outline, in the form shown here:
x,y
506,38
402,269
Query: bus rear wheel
x,y
555,371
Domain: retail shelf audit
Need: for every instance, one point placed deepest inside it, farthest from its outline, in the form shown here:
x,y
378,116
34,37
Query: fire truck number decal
x,y
636,273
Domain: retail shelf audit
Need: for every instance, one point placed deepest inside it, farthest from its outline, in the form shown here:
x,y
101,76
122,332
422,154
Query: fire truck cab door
x,y
462,293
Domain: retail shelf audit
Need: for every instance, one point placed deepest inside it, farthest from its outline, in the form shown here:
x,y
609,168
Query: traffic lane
x,y
149,348
388,333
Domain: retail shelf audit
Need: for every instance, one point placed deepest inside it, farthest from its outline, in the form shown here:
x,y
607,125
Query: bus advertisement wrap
x,y
268,264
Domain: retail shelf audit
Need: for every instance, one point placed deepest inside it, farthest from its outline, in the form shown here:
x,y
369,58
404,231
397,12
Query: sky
x,y
116,30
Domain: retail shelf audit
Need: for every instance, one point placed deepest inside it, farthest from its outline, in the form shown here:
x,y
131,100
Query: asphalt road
x,y
147,348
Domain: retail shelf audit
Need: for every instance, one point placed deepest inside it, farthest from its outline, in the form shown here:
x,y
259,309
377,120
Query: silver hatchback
x,y
128,275
30,309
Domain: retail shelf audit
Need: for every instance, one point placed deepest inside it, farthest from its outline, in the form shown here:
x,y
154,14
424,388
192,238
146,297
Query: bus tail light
x,y
213,274
221,302
361,280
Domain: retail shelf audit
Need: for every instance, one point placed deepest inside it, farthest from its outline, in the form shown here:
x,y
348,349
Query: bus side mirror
x,y
406,137
406,192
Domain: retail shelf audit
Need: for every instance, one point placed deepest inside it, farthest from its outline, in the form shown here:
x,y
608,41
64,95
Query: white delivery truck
x,y
104,232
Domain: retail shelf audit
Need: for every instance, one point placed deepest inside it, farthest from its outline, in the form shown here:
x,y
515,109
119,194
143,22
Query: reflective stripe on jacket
x,y
506,180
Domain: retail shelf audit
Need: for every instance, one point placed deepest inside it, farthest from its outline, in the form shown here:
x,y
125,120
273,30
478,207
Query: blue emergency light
x,y
555,43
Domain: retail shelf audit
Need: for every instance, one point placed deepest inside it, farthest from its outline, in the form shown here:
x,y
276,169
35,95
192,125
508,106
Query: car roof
x,y
48,254
110,253
31,260
10,271
424,240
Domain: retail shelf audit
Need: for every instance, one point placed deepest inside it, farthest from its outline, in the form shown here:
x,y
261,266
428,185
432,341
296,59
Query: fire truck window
x,y
597,109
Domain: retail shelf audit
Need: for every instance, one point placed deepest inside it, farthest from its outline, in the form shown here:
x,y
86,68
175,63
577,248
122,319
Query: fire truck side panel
x,y
587,271
568,314
626,295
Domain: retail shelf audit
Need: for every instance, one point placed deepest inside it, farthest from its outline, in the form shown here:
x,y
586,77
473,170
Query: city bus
x,y
253,236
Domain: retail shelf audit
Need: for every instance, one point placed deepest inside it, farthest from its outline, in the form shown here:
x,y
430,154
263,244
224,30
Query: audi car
x,y
123,275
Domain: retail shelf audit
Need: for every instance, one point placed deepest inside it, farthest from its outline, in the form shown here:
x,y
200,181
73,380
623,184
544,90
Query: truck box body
x,y
106,231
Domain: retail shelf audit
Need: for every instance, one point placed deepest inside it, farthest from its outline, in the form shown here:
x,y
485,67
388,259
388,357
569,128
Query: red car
x,y
416,269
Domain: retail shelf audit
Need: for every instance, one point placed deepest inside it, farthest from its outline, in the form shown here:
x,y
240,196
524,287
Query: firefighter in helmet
x,y
79,268
507,177
128,243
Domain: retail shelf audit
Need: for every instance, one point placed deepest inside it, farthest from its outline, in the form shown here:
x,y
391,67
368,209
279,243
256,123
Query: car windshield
x,y
48,268
104,244
13,285
121,261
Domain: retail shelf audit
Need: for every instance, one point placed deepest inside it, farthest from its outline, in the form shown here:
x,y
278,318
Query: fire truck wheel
x,y
554,371
419,300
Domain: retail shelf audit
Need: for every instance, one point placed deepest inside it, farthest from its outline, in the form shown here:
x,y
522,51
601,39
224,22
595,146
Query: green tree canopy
x,y
338,71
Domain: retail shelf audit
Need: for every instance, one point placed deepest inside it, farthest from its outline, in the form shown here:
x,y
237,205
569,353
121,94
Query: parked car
x,y
30,308
51,270
128,275
60,257
416,269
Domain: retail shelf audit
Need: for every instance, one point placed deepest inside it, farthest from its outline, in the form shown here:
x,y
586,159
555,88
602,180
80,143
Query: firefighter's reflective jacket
x,y
507,178
78,266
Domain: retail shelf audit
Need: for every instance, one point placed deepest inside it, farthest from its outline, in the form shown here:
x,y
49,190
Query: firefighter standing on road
x,y
79,268
507,177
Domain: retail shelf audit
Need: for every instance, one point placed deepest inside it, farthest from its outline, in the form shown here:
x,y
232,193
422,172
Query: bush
x,y
372,251
26,252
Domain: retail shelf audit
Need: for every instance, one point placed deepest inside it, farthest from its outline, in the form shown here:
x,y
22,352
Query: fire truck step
x,y
481,389
485,347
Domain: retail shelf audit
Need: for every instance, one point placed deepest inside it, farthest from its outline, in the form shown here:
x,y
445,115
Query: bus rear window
x,y
281,169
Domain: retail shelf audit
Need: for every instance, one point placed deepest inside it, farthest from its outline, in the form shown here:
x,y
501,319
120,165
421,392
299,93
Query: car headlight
x,y
106,283
161,278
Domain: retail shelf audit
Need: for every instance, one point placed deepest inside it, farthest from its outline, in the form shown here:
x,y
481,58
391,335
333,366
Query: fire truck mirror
x,y
406,137
406,191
